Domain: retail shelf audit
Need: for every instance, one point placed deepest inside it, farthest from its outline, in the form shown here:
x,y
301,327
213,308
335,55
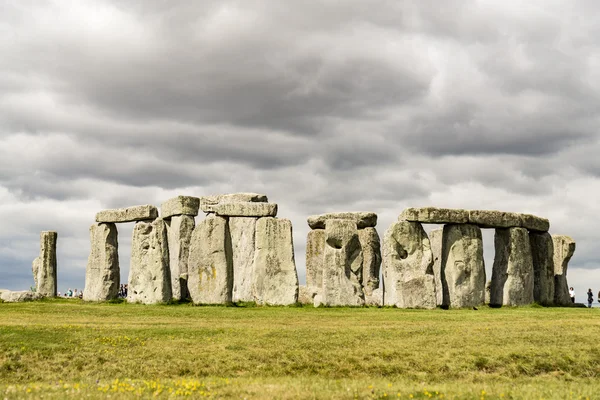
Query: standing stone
x,y
46,265
408,279
35,267
315,253
149,275
564,248
210,270
435,238
243,233
371,249
463,270
342,274
179,233
275,280
542,253
102,275
512,273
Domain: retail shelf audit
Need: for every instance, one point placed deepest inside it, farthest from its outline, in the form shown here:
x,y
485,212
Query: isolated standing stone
x,y
371,250
210,270
463,270
342,274
408,279
149,274
136,213
542,252
361,219
46,265
564,248
512,273
435,239
315,256
275,279
243,233
179,234
180,205
102,275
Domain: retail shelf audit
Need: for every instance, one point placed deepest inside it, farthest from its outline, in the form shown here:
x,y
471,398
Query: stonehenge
x,y
102,272
564,247
44,266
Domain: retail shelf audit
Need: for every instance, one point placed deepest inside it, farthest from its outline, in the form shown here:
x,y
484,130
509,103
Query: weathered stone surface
x,y
306,294
564,248
149,274
435,239
247,209
533,223
342,274
434,215
488,289
542,253
315,256
46,265
35,267
494,219
208,203
275,280
102,275
180,205
210,269
10,296
512,273
375,299
130,214
179,234
361,219
463,270
408,278
371,249
243,233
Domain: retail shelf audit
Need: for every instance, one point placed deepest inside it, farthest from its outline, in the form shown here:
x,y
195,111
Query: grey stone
x,y
315,255
46,265
512,273
179,234
149,274
35,268
306,294
243,233
462,266
371,249
434,215
275,280
375,299
247,209
408,278
542,252
10,296
180,205
533,223
130,214
435,239
494,219
102,275
564,248
361,219
342,275
488,288
208,203
210,269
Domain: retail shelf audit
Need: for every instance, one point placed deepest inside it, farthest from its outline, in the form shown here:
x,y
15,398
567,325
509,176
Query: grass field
x,y
70,349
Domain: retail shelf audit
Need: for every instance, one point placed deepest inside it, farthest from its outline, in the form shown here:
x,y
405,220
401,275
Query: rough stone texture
x,y
130,214
102,275
564,248
10,296
463,270
243,233
35,268
149,274
179,234
371,249
315,254
275,280
533,223
512,273
180,205
542,253
434,215
435,239
408,279
488,289
375,299
306,294
210,270
46,265
246,209
494,219
361,219
342,274
208,203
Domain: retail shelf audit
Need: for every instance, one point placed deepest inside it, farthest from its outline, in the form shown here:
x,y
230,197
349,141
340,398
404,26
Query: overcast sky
x,y
322,105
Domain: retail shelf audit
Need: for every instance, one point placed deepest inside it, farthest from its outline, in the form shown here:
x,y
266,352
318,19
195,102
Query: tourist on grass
x,y
590,298
69,293
572,294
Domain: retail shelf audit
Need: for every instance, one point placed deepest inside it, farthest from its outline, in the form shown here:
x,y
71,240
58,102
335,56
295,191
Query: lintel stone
x,y
246,209
362,219
434,215
180,205
130,214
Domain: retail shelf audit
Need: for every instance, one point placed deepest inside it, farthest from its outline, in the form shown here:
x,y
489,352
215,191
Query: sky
x,y
324,106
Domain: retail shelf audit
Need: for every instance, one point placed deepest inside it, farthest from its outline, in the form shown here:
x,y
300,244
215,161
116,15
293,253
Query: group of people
x,y
72,293
590,296
123,291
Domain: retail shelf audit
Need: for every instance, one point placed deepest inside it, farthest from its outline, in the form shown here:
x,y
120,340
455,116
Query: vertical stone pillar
x,y
371,250
564,248
243,235
435,238
512,273
315,252
179,236
44,266
542,252
102,275
462,266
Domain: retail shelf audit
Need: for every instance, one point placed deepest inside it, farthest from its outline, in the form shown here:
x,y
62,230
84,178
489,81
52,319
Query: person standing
x,y
572,294
590,298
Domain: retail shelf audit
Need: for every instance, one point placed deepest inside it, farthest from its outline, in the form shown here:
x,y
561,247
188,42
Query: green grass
x,y
67,348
